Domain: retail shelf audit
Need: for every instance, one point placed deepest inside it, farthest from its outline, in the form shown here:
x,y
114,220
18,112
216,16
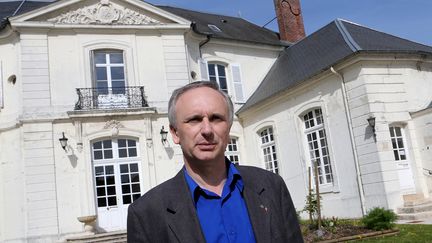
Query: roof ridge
x,y
349,40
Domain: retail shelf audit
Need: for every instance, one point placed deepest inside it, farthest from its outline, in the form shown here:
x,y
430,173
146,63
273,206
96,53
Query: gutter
x,y
350,128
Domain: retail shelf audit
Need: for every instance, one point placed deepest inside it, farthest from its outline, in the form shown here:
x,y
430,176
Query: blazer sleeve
x,y
289,213
135,228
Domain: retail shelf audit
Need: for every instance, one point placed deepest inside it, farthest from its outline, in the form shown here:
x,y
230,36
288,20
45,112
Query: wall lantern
x,y
163,134
371,121
63,141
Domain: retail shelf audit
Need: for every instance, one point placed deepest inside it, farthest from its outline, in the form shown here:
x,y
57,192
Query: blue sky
x,y
409,19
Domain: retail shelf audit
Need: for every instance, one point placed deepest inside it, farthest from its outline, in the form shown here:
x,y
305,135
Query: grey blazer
x,y
167,213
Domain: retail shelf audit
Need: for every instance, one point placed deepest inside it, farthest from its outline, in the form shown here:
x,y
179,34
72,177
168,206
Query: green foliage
x,y
379,219
311,206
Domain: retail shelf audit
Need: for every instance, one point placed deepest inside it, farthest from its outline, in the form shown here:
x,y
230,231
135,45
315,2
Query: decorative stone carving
x,y
115,126
104,13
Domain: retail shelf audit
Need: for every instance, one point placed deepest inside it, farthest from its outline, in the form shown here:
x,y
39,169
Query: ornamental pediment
x,y
99,12
104,12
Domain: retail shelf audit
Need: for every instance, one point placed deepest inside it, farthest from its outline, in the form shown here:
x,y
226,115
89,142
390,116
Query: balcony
x,y
110,98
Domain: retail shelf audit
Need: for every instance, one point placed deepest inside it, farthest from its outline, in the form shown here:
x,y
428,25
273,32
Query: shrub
x,y
379,219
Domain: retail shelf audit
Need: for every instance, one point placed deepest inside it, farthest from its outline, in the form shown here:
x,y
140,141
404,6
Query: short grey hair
x,y
198,84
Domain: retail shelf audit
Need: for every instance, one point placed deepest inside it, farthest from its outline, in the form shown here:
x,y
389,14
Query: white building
x,y
101,72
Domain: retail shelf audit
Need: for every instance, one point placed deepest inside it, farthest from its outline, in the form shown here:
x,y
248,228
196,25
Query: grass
x,y
417,233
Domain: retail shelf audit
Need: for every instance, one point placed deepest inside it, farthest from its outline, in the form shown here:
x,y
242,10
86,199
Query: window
x,y
227,76
317,145
398,143
232,151
109,71
217,74
116,172
268,148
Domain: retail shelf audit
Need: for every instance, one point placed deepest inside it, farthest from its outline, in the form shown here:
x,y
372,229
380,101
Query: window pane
x,y
97,154
111,190
136,196
131,143
109,170
134,167
102,202
135,188
100,191
100,181
211,69
112,201
126,189
97,145
110,180
132,152
127,199
99,58
107,144
135,177
122,143
116,57
125,179
108,154
117,73
101,74
122,153
123,169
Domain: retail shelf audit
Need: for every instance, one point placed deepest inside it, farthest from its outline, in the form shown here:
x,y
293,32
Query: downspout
x,y
350,128
202,43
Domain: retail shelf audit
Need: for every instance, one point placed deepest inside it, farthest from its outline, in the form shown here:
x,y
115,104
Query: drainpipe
x,y
350,128
202,43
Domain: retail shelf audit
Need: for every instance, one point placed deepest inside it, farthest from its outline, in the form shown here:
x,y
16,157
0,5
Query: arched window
x,y
317,145
232,150
217,74
117,179
268,148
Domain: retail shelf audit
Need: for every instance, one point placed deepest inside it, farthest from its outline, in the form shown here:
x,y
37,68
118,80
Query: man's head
x,y
178,92
200,118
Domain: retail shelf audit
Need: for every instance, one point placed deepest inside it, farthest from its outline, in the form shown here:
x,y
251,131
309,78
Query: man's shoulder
x,y
258,175
159,193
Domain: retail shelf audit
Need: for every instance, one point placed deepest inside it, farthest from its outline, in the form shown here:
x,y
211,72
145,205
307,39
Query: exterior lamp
x,y
163,134
63,141
371,121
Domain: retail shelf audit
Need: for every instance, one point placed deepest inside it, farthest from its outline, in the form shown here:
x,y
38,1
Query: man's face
x,y
202,126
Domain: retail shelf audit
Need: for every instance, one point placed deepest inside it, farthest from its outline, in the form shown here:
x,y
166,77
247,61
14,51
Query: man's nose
x,y
206,127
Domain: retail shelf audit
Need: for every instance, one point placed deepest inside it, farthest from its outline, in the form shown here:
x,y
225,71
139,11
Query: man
x,y
211,200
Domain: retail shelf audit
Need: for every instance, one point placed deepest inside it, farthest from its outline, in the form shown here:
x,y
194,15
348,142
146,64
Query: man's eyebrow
x,y
192,117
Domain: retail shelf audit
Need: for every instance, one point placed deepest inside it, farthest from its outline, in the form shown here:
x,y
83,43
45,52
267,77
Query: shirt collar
x,y
233,178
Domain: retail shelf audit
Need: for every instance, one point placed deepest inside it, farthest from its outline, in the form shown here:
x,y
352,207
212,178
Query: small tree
x,y
379,219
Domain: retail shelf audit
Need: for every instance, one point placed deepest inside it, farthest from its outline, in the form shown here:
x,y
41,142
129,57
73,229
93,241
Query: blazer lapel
x,y
181,215
259,211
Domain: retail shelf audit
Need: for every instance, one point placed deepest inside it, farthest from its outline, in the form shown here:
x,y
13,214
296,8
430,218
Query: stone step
x,y
111,237
416,208
415,216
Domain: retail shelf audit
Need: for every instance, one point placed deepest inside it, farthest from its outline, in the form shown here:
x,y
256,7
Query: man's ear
x,y
174,135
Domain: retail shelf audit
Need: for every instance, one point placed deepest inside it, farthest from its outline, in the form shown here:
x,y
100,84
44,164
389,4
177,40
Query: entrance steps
x,y
415,207
111,237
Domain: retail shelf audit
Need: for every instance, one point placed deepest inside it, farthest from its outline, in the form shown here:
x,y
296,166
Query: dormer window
x,y
214,28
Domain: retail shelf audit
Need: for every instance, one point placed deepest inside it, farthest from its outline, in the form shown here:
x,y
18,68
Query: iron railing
x,y
110,98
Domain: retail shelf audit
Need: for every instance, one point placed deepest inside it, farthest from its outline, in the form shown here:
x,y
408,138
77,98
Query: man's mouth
x,y
206,146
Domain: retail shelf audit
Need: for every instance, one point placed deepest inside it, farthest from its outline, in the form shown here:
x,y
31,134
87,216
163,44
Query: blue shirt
x,y
223,218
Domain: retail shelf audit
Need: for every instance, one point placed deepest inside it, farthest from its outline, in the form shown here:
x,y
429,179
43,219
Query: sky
x,y
409,19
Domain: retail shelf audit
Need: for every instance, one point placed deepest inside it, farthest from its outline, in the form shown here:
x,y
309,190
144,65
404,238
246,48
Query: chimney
x,y
290,20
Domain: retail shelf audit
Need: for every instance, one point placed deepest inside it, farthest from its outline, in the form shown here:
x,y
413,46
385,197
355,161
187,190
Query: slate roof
x,y
7,9
324,48
232,28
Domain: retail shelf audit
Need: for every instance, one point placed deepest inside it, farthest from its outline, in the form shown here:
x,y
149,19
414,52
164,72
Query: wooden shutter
x,y
237,83
204,70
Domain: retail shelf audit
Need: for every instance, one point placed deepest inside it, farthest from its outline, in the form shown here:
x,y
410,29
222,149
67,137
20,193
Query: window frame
x,y
315,128
108,65
229,153
271,148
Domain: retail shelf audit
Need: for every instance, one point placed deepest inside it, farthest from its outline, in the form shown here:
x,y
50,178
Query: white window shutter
x,y
1,85
204,70
237,83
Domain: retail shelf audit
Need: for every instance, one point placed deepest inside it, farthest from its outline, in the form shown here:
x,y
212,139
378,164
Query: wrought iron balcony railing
x,y
110,98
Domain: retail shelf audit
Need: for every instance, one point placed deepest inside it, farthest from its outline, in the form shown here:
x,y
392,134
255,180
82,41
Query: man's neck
x,y
208,175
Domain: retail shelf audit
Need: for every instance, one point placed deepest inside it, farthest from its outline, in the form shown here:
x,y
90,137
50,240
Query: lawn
x,y
417,233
